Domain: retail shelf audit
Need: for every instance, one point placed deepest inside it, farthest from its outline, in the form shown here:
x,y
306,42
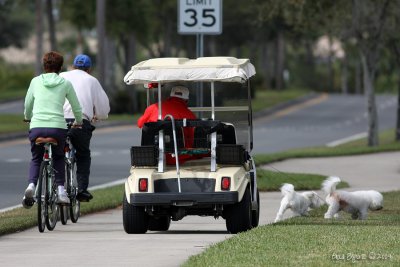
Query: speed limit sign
x,y
200,16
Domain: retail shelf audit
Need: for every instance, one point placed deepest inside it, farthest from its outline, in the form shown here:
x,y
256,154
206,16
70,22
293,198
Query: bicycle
x,y
71,185
46,190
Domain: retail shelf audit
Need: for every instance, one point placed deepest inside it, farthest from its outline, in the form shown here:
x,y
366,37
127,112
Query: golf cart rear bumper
x,y
183,199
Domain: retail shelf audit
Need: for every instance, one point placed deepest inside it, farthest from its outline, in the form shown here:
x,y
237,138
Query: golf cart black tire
x,y
135,219
238,216
160,223
255,215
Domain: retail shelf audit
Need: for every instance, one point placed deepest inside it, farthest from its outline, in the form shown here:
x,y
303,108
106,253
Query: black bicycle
x,y
71,211
46,191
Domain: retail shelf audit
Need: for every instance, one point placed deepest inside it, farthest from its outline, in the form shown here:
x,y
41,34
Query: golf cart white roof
x,y
223,69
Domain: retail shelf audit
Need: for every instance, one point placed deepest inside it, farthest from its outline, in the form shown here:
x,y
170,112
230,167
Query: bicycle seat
x,y
44,140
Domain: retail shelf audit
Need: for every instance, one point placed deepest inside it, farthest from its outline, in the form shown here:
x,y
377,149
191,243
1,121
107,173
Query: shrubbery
x,y
14,80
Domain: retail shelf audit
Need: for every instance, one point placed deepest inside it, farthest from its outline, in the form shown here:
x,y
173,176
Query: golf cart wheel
x,y
159,224
135,219
255,216
238,216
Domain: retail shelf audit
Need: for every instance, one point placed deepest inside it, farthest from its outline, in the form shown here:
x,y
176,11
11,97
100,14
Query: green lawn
x,y
314,241
270,98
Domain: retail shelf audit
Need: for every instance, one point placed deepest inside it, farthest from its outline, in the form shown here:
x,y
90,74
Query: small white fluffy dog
x,y
299,203
357,203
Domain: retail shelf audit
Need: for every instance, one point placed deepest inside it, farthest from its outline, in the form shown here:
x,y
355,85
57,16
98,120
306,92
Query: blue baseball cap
x,y
82,61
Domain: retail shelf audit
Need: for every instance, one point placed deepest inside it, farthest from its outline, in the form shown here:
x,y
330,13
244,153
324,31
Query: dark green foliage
x,y
15,25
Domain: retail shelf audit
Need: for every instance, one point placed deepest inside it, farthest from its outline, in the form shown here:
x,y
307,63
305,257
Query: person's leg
x,y
34,168
81,141
37,155
58,153
58,162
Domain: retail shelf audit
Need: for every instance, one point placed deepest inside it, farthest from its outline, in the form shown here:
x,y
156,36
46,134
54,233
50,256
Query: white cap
x,y
180,91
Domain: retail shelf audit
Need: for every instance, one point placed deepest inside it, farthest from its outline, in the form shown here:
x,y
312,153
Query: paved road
x,y
320,121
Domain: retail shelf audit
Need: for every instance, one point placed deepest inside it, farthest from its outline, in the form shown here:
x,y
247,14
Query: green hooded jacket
x,y
45,99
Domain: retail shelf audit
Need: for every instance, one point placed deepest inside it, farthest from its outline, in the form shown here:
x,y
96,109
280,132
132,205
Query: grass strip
x,y
313,241
20,219
272,180
387,143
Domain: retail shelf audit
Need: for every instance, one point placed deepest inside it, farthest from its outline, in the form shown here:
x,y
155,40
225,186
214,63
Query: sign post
x,y
200,17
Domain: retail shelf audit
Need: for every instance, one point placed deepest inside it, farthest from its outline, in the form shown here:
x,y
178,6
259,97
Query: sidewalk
x,y
379,171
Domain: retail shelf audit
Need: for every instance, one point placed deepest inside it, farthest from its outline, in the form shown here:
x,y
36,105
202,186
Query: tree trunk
x,y
398,112
344,76
50,19
110,52
357,77
130,61
79,42
373,139
280,59
101,36
39,37
266,63
331,71
396,52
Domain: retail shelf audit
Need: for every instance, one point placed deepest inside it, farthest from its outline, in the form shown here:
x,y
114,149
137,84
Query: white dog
x,y
299,203
357,203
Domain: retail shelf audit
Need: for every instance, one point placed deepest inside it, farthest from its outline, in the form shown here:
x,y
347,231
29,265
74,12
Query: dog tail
x,y
329,185
287,189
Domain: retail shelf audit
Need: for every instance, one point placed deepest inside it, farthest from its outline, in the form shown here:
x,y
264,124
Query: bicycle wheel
x,y
51,201
75,207
64,209
41,196
64,214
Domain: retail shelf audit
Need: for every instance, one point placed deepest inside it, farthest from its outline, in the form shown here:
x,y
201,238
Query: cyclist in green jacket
x,y
44,103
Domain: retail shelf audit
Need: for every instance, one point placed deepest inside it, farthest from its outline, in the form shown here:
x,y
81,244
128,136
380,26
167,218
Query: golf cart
x,y
219,178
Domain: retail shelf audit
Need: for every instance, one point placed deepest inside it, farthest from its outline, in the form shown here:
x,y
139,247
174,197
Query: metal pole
x,y
178,172
200,53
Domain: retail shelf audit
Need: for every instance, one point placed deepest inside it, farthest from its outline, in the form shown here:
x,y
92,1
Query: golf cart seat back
x,y
169,139
150,138
226,134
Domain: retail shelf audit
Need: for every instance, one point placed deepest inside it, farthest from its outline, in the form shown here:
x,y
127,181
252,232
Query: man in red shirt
x,y
175,105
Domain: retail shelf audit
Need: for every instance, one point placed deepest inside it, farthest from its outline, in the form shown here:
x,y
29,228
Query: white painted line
x,y
14,160
11,208
101,186
347,139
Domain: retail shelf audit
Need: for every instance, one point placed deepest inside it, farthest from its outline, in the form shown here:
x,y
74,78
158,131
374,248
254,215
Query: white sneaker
x,y
62,196
30,190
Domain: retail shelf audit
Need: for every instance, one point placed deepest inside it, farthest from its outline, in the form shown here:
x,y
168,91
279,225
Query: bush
x,y
15,79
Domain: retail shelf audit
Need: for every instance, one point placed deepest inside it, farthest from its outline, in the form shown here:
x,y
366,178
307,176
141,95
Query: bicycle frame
x,y
71,184
47,207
